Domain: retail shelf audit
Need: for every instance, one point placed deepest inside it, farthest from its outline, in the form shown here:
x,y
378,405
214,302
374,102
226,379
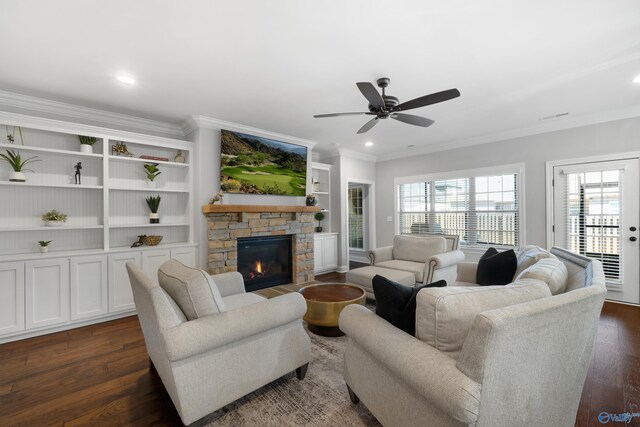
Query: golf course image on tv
x,y
255,165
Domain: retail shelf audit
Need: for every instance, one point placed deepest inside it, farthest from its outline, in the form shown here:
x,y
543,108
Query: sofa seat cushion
x,y
417,249
417,268
551,271
528,256
465,284
444,316
240,300
193,290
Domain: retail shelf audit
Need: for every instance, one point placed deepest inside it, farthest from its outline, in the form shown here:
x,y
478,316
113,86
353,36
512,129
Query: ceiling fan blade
x,y
413,120
371,93
319,116
371,123
423,101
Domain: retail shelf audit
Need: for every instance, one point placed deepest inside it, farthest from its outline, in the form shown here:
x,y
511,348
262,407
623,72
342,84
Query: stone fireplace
x,y
226,224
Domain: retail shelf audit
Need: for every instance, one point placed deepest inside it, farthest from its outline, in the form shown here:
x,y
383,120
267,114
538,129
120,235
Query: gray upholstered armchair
x,y
238,342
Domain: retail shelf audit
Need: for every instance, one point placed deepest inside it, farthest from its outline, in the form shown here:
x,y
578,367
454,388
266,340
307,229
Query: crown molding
x,y
343,152
194,122
552,126
33,105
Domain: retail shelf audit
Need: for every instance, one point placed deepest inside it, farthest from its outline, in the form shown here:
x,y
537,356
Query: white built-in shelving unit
x,y
82,279
326,242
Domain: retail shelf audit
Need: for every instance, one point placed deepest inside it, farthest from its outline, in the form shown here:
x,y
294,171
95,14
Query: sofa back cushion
x,y
551,271
528,256
417,249
444,316
193,290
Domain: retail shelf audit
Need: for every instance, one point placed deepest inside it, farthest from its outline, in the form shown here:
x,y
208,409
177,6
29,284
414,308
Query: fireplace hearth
x,y
265,261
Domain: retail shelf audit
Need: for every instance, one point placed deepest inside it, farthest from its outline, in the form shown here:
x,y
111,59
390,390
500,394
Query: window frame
x,y
515,168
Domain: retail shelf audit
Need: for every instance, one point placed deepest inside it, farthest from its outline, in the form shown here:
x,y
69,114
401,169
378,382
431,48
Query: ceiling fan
x,y
385,106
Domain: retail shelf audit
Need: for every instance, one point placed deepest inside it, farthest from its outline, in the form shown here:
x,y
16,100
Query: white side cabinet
x,y
152,260
89,287
187,256
325,252
47,292
120,295
11,297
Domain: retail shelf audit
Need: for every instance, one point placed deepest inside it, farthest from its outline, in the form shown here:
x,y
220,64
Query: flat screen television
x,y
255,165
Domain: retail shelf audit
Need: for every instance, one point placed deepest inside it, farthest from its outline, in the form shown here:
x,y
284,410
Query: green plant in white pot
x,y
53,218
44,245
154,203
319,216
86,143
18,164
152,172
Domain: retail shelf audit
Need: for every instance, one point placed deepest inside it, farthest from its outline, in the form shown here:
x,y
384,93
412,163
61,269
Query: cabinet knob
x,y
633,238
632,228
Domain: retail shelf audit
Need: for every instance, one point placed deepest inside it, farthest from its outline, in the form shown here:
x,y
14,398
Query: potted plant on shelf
x,y
154,203
18,165
86,143
44,245
53,218
311,200
319,216
152,172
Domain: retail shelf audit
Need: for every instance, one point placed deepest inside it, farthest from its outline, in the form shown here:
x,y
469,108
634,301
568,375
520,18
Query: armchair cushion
x,y
551,271
444,316
496,268
396,303
529,255
417,268
193,290
417,249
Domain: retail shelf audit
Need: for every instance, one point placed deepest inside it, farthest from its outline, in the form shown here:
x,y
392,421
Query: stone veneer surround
x,y
226,223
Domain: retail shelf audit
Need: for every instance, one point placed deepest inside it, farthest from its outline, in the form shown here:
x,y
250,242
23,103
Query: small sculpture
x,y
140,241
78,174
216,198
120,149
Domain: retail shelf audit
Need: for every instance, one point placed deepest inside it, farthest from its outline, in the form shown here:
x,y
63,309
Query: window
x,y
483,208
356,226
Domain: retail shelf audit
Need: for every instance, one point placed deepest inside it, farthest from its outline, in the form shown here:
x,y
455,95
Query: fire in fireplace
x,y
265,261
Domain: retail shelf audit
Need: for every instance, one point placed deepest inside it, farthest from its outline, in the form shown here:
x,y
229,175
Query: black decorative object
x,y
140,241
78,174
496,268
311,200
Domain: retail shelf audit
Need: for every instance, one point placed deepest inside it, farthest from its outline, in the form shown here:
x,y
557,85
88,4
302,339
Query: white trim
x,y
193,122
344,214
75,112
551,164
343,152
342,268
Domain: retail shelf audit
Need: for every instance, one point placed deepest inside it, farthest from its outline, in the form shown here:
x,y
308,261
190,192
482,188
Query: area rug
x,y
319,400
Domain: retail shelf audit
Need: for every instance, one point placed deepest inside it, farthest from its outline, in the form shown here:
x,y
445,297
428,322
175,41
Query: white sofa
x,y
482,356
210,361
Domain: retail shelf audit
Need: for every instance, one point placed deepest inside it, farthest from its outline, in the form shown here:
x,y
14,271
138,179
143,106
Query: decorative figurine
x,y
140,241
179,158
120,149
217,198
78,174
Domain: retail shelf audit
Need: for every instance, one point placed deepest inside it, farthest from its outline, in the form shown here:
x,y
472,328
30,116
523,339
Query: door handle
x,y
633,238
632,228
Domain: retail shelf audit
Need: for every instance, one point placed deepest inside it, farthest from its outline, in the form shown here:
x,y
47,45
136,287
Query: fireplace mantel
x,y
257,208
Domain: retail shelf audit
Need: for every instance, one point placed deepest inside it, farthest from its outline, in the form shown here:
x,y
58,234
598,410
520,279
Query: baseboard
x,y
343,268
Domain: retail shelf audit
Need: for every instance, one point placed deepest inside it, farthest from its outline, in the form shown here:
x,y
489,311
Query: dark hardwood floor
x,y
100,375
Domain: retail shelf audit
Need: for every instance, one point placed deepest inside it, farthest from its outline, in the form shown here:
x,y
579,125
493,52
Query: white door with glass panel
x,y
596,213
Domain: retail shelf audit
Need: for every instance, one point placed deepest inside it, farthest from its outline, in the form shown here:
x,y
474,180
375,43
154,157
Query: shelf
x,y
149,190
150,248
44,228
71,186
320,192
149,225
135,159
48,150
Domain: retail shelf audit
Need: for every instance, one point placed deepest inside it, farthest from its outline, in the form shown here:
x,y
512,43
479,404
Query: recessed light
x,y
636,79
123,78
368,144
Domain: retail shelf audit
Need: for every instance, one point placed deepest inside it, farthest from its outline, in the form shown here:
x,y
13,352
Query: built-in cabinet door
x,y
89,295
11,297
152,260
187,256
47,292
318,253
330,251
120,295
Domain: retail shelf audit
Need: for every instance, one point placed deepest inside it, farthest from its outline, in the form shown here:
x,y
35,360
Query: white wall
x,y
534,151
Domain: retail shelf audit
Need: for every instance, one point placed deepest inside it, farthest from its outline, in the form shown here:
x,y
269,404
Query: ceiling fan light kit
x,y
383,106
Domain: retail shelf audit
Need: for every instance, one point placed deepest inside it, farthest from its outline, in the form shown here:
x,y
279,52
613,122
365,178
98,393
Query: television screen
x,y
255,165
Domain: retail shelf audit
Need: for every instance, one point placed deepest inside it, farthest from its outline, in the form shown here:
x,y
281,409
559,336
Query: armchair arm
x,y
467,272
426,370
229,283
443,267
384,253
216,330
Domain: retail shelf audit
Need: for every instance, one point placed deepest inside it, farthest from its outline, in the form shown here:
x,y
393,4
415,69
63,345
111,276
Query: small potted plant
x,y
17,164
311,200
86,143
53,218
154,203
152,171
319,216
44,245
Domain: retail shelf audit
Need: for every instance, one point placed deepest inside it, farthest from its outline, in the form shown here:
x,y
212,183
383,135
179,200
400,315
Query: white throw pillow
x,y
444,316
528,256
551,271
193,290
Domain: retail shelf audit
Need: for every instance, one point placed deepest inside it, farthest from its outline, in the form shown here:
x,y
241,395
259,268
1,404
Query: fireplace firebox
x,y
265,261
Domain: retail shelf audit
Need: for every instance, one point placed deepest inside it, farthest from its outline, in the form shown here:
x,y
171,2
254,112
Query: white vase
x,y
17,177
44,249
154,218
151,184
86,148
53,223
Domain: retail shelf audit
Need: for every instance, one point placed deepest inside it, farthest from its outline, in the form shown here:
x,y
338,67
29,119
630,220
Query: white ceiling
x,y
273,64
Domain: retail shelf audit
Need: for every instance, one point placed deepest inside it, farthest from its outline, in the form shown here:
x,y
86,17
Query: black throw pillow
x,y
396,303
496,268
